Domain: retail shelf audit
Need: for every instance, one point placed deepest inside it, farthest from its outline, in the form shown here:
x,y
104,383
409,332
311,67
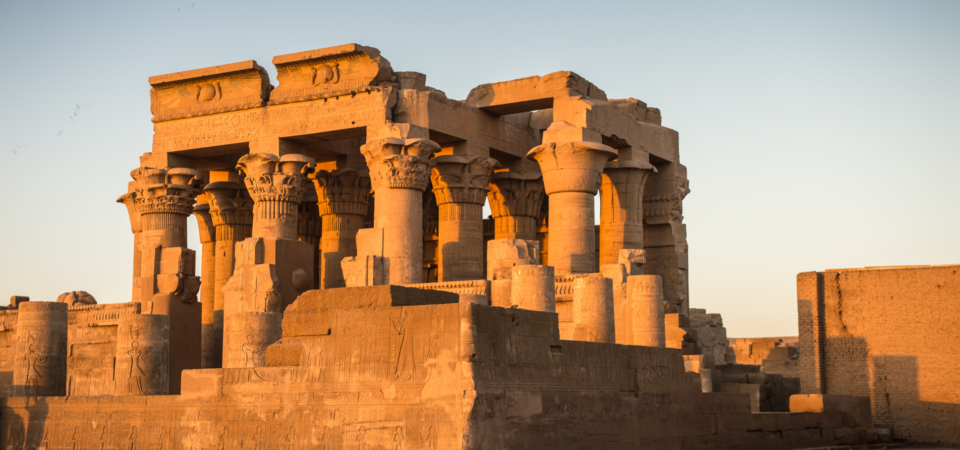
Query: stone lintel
x,y
328,72
212,90
531,93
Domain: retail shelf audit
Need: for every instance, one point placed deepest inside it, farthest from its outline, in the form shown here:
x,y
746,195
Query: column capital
x,y
571,166
129,200
170,191
628,168
515,194
342,191
400,163
273,178
229,204
461,179
208,231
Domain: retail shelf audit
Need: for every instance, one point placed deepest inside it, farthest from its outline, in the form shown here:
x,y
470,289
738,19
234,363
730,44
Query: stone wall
x,y
439,376
779,355
91,347
890,334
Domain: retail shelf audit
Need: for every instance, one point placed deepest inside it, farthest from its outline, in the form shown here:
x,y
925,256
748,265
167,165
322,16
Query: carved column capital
x,y
208,231
278,179
171,191
515,194
342,191
461,179
400,163
666,205
129,200
621,191
229,204
571,166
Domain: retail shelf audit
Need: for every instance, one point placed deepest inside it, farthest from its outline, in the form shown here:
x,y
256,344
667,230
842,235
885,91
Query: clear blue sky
x,y
817,134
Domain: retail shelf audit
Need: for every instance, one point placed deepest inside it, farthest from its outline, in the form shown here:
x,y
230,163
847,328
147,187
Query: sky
x,y
816,134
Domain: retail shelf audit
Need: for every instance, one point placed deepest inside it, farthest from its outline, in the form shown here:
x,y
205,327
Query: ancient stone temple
x,y
350,293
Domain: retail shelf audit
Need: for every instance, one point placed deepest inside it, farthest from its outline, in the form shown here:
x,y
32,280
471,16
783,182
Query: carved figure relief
x,y
326,74
138,376
398,439
253,352
35,361
430,440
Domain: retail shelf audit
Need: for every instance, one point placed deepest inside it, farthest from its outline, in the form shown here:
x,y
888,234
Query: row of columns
x,y
399,171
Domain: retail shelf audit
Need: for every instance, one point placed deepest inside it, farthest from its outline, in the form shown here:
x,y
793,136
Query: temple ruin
x,y
352,295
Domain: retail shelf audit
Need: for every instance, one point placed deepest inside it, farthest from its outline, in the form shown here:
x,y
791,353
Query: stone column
x,y
646,295
277,186
143,355
621,208
128,200
250,334
593,319
168,284
310,230
231,210
343,197
460,185
273,266
165,198
533,288
208,276
571,177
40,368
515,200
399,173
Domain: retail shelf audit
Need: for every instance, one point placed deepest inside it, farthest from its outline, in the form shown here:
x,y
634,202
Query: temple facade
x,y
350,292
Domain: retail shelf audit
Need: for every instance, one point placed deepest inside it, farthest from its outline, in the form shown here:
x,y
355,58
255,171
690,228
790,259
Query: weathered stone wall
x,y
889,334
779,355
429,377
91,347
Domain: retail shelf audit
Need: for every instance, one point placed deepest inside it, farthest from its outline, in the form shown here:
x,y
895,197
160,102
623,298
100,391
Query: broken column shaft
x,y
41,352
533,288
593,310
646,295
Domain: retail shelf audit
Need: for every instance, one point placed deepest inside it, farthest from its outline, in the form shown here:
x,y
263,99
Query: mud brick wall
x,y
890,334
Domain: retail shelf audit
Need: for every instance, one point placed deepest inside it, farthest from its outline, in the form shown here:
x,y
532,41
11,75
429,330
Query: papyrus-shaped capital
x,y
571,166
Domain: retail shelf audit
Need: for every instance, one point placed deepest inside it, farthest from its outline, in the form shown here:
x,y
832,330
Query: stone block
x,y
500,293
370,242
632,260
201,384
309,314
854,411
367,270
504,254
284,354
